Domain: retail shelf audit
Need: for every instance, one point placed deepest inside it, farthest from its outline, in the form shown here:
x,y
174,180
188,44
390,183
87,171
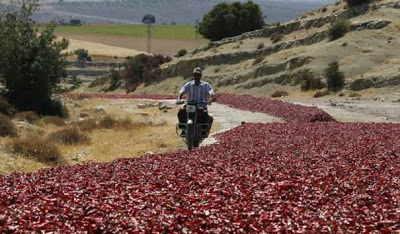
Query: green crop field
x,y
158,31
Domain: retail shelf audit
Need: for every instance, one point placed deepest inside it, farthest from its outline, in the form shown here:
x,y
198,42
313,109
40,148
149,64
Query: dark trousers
x,y
204,118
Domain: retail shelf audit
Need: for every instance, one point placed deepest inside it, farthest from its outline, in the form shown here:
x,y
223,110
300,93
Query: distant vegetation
x,y
227,20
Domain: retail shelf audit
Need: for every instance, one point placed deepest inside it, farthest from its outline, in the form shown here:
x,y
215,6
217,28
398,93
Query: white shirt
x,y
200,93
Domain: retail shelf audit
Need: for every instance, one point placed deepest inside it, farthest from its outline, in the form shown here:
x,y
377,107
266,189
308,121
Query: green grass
x,y
158,31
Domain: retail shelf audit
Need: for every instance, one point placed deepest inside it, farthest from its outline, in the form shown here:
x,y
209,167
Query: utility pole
x,y
197,28
148,37
149,19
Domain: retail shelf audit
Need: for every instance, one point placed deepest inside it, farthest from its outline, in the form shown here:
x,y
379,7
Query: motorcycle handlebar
x,y
180,102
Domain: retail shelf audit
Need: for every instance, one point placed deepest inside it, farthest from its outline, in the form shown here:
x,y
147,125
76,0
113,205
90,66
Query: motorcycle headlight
x,y
190,108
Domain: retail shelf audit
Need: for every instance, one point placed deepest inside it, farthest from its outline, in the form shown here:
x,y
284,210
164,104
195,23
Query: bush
x,y
279,93
7,127
83,55
6,108
108,122
87,125
181,53
355,95
70,136
55,120
260,46
335,78
28,116
311,83
275,37
321,93
258,60
338,29
36,148
142,69
31,63
227,20
324,9
307,81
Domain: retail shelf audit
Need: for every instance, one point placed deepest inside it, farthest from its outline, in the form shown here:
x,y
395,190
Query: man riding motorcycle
x,y
196,91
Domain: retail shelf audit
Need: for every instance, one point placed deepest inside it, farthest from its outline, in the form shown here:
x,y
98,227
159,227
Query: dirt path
x,y
229,118
357,110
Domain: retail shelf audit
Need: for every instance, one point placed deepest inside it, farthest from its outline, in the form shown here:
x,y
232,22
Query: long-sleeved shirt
x,y
200,93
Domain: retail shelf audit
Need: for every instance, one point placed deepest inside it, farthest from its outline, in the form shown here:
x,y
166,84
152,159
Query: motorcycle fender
x,y
190,122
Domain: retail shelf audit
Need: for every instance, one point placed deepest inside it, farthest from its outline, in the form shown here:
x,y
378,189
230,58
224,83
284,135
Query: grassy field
x,y
140,31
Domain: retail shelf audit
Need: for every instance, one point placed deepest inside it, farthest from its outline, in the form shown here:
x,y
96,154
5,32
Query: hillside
x,y
368,55
178,11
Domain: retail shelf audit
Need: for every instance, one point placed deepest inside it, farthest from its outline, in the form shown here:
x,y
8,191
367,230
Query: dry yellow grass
x,y
137,132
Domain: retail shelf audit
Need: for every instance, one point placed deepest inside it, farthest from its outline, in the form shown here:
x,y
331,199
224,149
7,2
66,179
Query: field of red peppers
x,y
299,176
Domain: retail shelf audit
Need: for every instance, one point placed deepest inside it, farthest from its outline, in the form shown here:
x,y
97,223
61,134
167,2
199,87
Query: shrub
x,y
70,136
335,78
279,93
6,108
338,29
142,69
28,116
217,69
311,83
260,46
341,94
258,60
307,81
321,93
355,95
275,37
324,9
7,127
108,122
55,120
181,53
36,148
83,55
87,125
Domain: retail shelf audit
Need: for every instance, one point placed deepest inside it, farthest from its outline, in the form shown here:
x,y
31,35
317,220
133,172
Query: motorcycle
x,y
194,131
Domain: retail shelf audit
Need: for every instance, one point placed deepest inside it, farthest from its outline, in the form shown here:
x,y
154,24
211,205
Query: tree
x,y
227,20
335,78
31,63
353,3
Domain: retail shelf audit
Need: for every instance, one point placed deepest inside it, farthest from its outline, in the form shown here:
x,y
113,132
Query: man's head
x,y
197,74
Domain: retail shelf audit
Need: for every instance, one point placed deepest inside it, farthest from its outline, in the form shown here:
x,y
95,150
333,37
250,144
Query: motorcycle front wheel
x,y
189,136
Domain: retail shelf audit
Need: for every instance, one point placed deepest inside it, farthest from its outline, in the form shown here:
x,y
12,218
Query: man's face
x,y
197,77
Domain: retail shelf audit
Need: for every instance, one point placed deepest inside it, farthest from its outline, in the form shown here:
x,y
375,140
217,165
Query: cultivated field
x,y
166,39
132,30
